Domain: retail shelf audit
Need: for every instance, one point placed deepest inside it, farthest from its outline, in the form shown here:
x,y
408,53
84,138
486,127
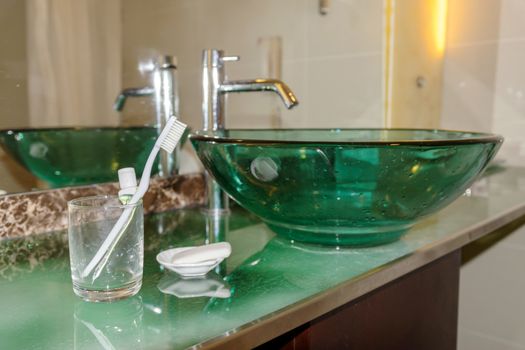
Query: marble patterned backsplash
x,y
38,212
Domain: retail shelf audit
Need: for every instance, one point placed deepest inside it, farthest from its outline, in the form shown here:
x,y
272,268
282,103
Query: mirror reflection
x,y
116,68
98,64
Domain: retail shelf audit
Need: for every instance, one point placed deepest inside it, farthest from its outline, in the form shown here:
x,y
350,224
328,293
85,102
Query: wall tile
x,y
516,240
345,92
350,27
13,65
311,43
468,87
472,22
469,340
509,103
512,24
491,291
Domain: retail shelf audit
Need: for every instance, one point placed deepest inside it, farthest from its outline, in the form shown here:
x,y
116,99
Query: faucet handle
x,y
230,58
215,58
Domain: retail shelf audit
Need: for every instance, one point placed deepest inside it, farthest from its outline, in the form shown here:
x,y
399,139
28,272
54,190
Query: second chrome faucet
x,y
214,87
164,91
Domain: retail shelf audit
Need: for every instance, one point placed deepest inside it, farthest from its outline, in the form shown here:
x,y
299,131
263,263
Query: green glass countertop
x,y
267,276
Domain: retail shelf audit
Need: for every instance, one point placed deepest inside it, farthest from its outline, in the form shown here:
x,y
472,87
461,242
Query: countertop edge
x,y
284,320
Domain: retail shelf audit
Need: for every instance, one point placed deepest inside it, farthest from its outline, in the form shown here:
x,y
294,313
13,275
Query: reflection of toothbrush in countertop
x,y
168,140
101,337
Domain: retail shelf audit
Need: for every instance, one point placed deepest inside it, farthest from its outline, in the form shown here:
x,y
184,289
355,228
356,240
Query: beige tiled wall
x,y
416,70
492,285
509,104
13,88
333,63
491,297
485,90
13,65
470,65
74,62
484,78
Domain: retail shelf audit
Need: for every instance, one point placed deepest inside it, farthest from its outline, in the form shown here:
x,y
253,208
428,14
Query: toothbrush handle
x,y
168,139
102,256
146,174
113,235
105,258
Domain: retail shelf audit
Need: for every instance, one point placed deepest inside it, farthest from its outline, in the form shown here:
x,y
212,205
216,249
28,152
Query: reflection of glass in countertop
x,y
109,325
265,274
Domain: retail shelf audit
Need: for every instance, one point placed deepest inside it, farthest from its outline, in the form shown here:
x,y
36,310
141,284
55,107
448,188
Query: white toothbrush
x,y
168,140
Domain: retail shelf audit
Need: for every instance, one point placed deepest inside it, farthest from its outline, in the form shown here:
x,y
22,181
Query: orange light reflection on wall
x,y
441,25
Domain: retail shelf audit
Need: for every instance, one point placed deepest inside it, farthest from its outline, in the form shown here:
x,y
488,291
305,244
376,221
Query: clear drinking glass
x,y
90,221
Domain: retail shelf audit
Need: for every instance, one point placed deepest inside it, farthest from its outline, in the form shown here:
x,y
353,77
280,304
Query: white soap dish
x,y
195,261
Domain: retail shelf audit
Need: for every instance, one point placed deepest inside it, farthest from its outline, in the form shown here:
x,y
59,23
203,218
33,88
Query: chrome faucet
x,y
165,94
214,87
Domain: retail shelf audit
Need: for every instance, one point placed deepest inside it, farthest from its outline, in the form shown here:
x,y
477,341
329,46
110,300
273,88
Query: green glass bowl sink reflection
x,y
344,187
69,156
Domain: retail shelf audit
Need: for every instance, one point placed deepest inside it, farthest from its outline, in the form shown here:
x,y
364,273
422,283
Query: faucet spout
x,y
285,93
131,92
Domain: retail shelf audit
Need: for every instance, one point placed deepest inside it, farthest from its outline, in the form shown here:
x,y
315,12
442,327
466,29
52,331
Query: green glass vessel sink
x,y
344,187
69,156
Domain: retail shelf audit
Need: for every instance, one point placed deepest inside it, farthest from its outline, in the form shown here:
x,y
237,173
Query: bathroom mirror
x,y
64,63
351,64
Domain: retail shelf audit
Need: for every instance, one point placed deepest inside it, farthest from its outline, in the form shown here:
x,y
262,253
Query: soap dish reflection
x,y
211,286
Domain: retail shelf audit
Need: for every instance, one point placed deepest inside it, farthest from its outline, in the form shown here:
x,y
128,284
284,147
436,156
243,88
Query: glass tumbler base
x,y
125,291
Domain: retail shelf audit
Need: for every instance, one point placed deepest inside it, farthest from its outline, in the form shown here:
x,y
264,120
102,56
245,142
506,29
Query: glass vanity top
x,y
264,276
